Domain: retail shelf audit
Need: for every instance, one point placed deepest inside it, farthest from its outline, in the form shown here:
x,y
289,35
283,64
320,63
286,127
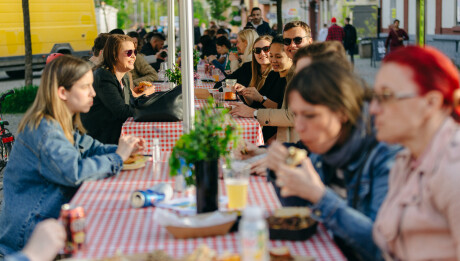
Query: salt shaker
x,y
156,150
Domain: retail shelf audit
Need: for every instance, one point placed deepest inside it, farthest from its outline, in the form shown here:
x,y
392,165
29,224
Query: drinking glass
x,y
215,74
231,84
236,179
218,99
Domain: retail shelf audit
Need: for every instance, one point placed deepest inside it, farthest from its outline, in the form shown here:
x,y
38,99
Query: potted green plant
x,y
174,75
201,149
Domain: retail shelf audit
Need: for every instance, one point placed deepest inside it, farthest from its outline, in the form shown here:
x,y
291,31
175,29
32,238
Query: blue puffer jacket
x,y
351,220
44,171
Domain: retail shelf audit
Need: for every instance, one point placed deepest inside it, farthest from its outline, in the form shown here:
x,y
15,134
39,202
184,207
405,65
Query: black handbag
x,y
159,106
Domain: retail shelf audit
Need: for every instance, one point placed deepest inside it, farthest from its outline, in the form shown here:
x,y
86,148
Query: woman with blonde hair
x,y
52,155
244,44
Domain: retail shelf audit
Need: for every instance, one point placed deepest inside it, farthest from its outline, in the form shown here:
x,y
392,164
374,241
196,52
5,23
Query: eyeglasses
x,y
258,50
129,53
390,96
297,40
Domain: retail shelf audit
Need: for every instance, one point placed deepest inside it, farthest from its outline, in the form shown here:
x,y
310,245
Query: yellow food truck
x,y
56,26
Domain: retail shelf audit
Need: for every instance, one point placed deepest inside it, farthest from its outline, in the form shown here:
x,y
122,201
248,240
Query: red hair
x,y
432,70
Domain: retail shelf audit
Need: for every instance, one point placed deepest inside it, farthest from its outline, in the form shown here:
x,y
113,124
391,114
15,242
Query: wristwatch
x,y
264,99
255,114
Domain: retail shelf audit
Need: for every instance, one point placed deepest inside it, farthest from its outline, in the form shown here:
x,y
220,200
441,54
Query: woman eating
x,y
416,104
52,155
110,109
344,178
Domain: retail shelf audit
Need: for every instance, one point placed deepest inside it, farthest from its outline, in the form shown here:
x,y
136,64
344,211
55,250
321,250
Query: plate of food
x,y
291,223
134,162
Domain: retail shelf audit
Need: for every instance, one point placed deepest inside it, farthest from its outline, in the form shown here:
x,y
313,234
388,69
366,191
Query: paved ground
x,y
362,68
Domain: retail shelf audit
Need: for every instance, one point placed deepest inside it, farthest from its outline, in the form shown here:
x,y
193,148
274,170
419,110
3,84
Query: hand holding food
x,y
303,181
144,88
128,145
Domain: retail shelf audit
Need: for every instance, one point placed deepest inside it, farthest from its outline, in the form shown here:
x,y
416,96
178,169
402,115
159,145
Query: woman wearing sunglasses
x,y
110,109
416,104
271,93
52,155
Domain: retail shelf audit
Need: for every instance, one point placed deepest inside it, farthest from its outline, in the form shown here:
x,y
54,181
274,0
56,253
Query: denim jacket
x,y
44,171
352,225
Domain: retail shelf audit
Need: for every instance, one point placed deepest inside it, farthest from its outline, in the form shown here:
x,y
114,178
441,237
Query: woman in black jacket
x,y
109,111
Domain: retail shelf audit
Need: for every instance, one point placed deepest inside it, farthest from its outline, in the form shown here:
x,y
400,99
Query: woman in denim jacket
x,y
52,156
345,178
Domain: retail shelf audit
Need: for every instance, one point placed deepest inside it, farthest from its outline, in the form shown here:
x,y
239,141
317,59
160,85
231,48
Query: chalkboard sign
x,y
378,50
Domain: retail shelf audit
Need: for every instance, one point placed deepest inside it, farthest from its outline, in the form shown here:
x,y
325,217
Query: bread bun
x,y
142,86
132,159
295,156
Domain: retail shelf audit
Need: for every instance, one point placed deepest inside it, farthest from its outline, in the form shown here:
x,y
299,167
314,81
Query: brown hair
x,y
99,43
111,49
62,71
329,50
330,84
301,24
258,77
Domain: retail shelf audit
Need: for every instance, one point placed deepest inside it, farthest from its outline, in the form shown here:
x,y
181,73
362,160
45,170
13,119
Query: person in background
x,y
153,49
52,155
137,40
244,45
142,70
271,94
416,104
117,31
321,51
97,49
221,32
323,33
106,117
396,37
296,35
335,32
258,23
45,243
223,47
141,30
349,41
196,31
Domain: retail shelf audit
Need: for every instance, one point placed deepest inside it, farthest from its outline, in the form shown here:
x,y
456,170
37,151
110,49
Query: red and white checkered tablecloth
x,y
114,226
169,132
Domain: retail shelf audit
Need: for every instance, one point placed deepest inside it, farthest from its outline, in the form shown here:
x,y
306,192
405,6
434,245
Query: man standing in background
x,y
262,27
322,34
349,42
335,32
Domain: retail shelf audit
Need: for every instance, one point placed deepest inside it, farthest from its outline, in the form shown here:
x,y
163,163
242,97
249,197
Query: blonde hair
x,y
249,36
62,71
258,77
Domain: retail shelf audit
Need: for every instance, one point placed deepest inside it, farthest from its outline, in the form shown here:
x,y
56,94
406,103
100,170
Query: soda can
x,y
73,219
151,196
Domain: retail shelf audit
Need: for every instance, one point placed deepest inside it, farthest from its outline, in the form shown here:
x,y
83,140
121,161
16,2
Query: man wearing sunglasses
x,y
296,35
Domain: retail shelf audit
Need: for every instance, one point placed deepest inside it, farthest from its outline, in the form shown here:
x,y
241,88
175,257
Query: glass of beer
x,y
215,74
236,181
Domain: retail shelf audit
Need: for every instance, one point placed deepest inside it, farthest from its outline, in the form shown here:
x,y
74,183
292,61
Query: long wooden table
x,y
113,226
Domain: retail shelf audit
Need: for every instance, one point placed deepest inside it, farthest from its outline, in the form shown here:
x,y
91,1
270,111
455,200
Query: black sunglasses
x,y
130,52
297,40
258,50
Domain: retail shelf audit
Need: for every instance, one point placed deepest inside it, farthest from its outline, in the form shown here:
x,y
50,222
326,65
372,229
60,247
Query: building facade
x,y
442,22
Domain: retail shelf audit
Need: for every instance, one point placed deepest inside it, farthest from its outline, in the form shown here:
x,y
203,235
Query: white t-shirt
x,y
322,34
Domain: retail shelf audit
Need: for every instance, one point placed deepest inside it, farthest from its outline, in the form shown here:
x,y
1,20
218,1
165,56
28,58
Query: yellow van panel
x,y
51,22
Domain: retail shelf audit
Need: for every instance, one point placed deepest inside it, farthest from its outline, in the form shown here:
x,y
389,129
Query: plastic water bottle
x,y
253,232
156,150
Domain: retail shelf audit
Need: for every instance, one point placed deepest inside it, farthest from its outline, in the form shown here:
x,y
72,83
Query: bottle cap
x,y
253,212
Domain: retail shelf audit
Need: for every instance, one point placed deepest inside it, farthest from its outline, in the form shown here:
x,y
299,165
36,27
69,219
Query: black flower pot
x,y
206,186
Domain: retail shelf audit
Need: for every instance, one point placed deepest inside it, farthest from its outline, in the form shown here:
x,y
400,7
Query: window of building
x,y
458,12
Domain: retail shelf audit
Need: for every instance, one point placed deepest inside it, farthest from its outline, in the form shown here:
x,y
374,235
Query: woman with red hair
x,y
416,104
